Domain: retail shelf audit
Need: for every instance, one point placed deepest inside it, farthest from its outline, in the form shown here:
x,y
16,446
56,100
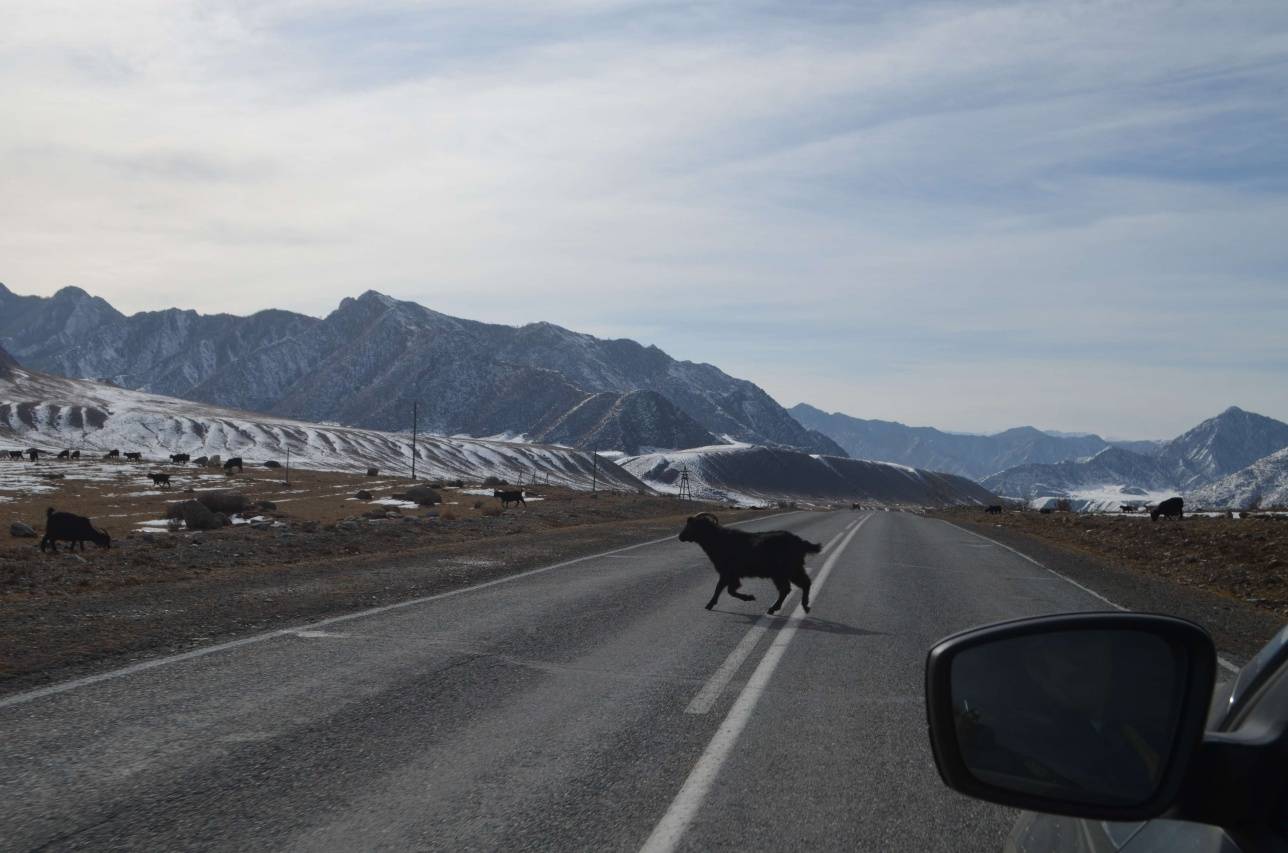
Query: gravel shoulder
x,y
1153,582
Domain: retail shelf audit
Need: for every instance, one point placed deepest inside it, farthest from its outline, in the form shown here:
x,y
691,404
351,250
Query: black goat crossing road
x,y
543,712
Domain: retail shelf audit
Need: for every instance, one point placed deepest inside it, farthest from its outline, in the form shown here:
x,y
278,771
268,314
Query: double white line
x,y
669,830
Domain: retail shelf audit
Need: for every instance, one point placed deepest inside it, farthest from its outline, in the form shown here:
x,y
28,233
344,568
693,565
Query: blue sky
x,y
970,215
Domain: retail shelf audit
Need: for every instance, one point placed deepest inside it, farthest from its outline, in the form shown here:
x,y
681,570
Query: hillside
x,y
751,474
364,363
1261,485
52,413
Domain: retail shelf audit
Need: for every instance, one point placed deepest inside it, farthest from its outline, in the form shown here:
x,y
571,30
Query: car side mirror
x,y
1092,715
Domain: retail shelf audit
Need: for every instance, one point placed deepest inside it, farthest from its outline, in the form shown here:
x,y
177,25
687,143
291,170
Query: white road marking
x,y
1225,664
144,666
710,692
671,828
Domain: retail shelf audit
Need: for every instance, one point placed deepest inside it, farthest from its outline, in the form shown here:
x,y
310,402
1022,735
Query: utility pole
x,y
415,414
686,492
288,462
594,470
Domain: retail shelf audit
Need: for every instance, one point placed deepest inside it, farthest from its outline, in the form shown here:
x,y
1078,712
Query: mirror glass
x,y
1082,715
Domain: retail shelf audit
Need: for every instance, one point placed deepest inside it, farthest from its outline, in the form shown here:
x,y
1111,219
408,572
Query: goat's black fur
x,y
68,527
736,554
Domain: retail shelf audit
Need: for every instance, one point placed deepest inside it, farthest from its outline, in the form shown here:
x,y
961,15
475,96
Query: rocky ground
x,y
1230,574
318,551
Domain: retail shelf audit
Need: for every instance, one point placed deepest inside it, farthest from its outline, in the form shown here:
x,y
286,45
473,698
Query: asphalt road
x,y
591,706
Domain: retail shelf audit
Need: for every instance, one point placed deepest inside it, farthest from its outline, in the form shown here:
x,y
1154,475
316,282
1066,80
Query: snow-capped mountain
x,y
366,362
1111,466
751,474
1222,445
53,413
1261,485
974,456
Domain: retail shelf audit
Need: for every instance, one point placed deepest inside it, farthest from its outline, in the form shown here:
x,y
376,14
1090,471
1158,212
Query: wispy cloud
x,y
851,203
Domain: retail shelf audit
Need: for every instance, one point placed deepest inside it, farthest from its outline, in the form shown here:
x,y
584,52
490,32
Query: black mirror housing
x,y
1091,715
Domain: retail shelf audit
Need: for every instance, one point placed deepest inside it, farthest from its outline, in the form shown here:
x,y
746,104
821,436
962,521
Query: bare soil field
x,y
318,551
1245,559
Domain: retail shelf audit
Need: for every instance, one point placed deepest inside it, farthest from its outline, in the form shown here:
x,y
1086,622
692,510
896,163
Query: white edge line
x,y
672,826
86,681
706,698
1225,663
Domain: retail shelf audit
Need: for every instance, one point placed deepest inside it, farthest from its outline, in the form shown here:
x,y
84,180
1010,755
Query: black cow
x,y
201,460
113,454
508,498
15,454
64,454
33,454
235,462
66,527
994,509
160,480
1170,508
76,454
179,458
134,457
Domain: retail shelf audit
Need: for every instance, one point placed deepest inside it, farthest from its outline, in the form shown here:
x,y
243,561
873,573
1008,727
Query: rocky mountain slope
x,y
366,362
750,474
1261,485
53,413
974,456
1222,445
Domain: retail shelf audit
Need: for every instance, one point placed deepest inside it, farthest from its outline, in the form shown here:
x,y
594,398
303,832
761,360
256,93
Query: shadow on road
x,y
809,623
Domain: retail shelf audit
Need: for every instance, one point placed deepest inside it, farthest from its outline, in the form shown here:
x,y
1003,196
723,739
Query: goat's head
x,y
102,539
697,525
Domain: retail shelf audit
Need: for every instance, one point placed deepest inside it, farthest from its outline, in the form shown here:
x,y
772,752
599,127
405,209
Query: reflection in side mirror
x,y
1094,715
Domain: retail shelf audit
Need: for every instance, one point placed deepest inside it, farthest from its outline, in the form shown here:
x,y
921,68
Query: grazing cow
x,y
15,454
508,498
160,480
235,462
76,454
1046,510
994,509
67,527
1127,508
856,506
179,458
113,454
1170,508
33,454
64,454
201,461
736,554
134,457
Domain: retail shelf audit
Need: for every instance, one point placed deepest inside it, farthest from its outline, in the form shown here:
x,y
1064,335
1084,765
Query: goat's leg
x,y
801,579
784,587
733,590
720,585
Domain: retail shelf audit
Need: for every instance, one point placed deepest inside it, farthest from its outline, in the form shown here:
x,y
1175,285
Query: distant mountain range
x,y
366,362
974,456
1028,463
1215,449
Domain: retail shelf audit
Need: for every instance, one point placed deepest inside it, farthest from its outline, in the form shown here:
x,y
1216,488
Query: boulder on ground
x,y
363,495
423,495
373,472
197,516
22,530
266,506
